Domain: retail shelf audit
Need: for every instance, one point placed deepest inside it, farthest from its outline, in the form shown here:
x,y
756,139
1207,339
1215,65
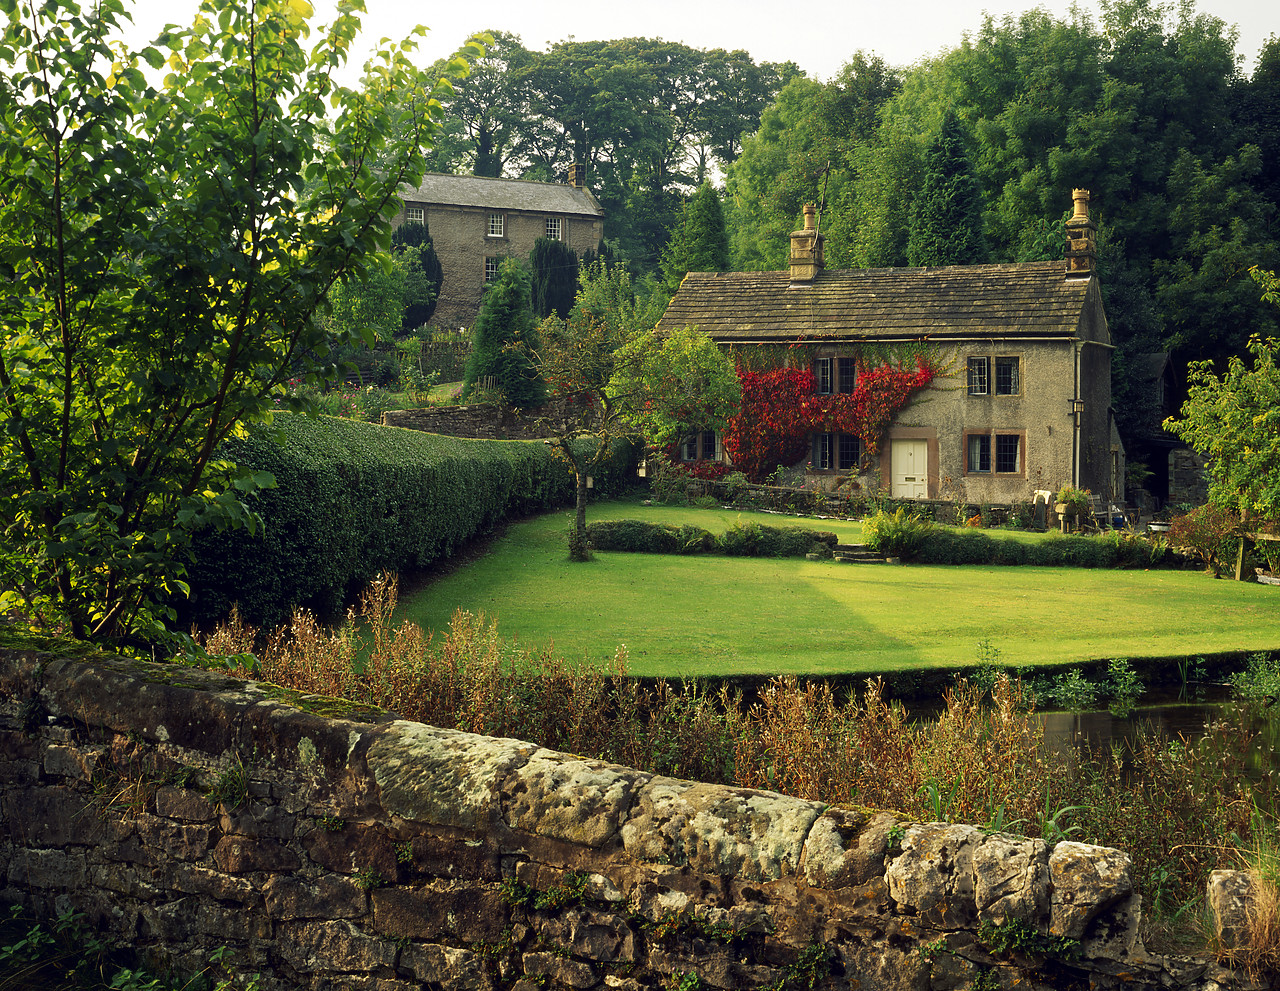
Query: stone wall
x,y
188,811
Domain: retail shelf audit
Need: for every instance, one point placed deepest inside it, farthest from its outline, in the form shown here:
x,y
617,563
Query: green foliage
x,y
1209,532
898,534
1259,681
368,878
423,273
1015,935
1076,500
700,243
1234,421
504,339
170,248
946,217
741,540
555,277
356,499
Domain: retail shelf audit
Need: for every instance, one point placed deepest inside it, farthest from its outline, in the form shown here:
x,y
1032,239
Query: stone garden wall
x,y
188,811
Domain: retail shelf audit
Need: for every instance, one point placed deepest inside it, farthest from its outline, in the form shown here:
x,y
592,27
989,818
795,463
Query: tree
x,y
700,243
615,378
503,335
946,217
164,269
423,274
1234,421
555,277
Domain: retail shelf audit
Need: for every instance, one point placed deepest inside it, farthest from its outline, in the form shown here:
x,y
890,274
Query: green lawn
x,y
710,615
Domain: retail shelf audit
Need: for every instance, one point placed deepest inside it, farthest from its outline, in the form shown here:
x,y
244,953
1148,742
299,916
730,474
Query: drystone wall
x,y
188,811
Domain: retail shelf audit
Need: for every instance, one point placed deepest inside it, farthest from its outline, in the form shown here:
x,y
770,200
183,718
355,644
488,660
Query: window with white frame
x,y
978,369
836,452
414,214
497,224
1007,377
554,228
491,269
993,453
822,375
702,446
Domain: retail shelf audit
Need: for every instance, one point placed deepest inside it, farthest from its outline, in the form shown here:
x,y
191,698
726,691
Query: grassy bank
x,y
684,617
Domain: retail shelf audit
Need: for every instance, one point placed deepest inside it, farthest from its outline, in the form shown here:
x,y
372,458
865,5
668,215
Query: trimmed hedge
x,y
1109,550
742,540
355,499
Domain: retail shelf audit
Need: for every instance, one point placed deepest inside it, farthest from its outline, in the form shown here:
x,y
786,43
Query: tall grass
x,y
1179,807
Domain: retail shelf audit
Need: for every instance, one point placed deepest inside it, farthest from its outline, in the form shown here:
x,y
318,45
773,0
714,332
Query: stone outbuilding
x,y
1023,403
476,222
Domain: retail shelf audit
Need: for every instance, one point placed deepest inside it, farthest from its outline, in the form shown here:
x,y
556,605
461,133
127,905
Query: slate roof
x,y
503,194
1032,299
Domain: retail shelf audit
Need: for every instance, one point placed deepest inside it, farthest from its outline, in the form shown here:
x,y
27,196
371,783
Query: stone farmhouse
x,y
1023,404
476,222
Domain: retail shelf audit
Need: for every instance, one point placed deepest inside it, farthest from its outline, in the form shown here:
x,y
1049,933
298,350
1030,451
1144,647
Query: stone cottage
x,y
1024,395
476,222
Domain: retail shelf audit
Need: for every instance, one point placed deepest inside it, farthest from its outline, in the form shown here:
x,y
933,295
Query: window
x,y
414,214
842,452
822,375
700,447
497,224
822,452
553,228
978,368
490,269
1007,377
1007,459
848,375
850,452
1006,447
979,453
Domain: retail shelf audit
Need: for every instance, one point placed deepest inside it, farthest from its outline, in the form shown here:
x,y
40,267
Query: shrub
x,y
649,538
757,540
353,499
1207,532
898,534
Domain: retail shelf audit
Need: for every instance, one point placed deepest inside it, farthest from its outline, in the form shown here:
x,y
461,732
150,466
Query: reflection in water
x,y
1070,735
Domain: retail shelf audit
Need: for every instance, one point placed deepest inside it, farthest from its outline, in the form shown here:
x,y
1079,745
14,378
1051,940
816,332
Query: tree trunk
x,y
578,547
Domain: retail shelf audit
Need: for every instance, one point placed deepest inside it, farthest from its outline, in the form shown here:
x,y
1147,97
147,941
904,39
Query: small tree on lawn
x,y
503,336
617,378
1234,421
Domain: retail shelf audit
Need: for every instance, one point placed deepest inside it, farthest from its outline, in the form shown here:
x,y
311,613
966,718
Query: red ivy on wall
x,y
780,410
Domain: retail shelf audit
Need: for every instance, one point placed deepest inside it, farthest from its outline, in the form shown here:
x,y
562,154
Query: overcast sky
x,y
818,35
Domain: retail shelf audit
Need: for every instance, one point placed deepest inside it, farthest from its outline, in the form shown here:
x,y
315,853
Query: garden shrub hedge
x,y
742,540
354,499
1110,550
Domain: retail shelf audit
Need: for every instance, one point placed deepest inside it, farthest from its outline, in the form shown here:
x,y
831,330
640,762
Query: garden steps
x,y
856,554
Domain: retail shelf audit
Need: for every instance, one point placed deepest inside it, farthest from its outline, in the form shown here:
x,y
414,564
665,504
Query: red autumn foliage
x,y
780,409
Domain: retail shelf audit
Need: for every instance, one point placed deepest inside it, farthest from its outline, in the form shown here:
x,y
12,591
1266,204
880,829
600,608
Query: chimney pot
x,y
1082,251
806,249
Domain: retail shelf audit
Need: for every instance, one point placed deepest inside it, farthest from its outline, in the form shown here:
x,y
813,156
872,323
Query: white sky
x,y
819,35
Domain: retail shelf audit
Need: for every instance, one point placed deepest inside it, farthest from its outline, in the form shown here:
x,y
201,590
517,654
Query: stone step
x,y
860,557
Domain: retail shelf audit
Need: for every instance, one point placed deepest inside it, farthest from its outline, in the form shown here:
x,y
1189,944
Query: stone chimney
x,y
577,175
1082,248
806,249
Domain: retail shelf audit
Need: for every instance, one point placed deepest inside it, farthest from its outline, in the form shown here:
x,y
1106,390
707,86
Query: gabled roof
x,y
1031,299
503,194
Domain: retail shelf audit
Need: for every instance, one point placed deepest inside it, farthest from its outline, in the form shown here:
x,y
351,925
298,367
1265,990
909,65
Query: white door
x,y
910,469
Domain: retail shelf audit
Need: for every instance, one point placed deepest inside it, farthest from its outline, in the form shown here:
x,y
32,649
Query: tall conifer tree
x,y
946,219
700,243
503,335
